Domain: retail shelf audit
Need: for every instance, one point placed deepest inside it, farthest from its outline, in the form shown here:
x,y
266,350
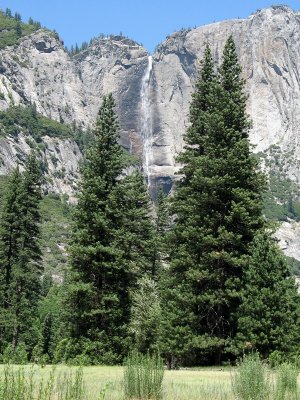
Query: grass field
x,y
105,383
209,384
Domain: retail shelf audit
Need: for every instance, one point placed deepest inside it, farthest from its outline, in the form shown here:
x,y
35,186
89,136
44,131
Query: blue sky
x,y
146,21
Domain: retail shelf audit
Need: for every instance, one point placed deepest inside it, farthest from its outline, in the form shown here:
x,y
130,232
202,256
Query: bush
x,y
286,387
252,380
143,376
275,359
17,384
15,356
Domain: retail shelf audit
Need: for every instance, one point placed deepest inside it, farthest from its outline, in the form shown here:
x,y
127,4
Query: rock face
x,y
155,91
69,89
268,47
39,70
289,234
60,158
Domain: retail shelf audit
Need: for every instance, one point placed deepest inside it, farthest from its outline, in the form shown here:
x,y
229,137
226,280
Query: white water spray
x,y
146,121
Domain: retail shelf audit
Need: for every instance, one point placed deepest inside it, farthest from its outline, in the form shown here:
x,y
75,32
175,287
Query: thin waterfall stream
x,y
146,121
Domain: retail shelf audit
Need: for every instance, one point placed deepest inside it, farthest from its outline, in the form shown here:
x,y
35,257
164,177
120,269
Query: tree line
x,y
196,276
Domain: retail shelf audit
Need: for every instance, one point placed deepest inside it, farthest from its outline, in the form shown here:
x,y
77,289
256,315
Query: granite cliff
x,y
153,92
39,70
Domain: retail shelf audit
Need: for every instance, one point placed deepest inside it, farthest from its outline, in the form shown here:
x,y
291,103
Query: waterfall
x,y
146,121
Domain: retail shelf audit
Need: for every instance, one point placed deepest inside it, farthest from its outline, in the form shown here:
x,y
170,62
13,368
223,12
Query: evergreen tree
x,y
18,17
111,246
269,312
50,320
96,309
18,29
25,288
146,315
8,13
21,257
218,210
10,233
162,222
132,229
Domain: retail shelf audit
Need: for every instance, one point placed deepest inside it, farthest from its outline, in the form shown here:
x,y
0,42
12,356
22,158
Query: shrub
x,y
252,380
143,376
15,356
275,359
18,384
286,387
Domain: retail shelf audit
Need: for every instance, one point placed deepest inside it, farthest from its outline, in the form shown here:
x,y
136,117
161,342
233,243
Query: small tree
x,y
8,13
18,30
18,17
145,315
269,314
133,231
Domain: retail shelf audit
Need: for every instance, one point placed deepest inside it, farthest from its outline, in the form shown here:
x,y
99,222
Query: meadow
x,y
102,382
255,382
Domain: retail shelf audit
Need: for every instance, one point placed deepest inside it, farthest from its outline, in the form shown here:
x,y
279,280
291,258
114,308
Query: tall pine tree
x,y
111,246
21,257
218,209
133,232
10,233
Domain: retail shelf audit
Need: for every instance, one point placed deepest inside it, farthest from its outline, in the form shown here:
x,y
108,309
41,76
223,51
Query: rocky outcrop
x,y
288,234
60,160
39,70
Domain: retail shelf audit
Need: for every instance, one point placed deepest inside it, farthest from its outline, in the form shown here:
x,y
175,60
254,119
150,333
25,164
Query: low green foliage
x,y
294,265
27,120
143,376
286,388
17,384
56,219
281,200
251,381
11,29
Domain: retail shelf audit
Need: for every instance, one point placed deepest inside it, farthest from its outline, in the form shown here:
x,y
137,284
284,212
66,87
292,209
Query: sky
x,y
146,21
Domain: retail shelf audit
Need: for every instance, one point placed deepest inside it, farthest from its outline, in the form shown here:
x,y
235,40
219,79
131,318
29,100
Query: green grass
x,y
286,387
208,384
106,383
143,376
17,383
